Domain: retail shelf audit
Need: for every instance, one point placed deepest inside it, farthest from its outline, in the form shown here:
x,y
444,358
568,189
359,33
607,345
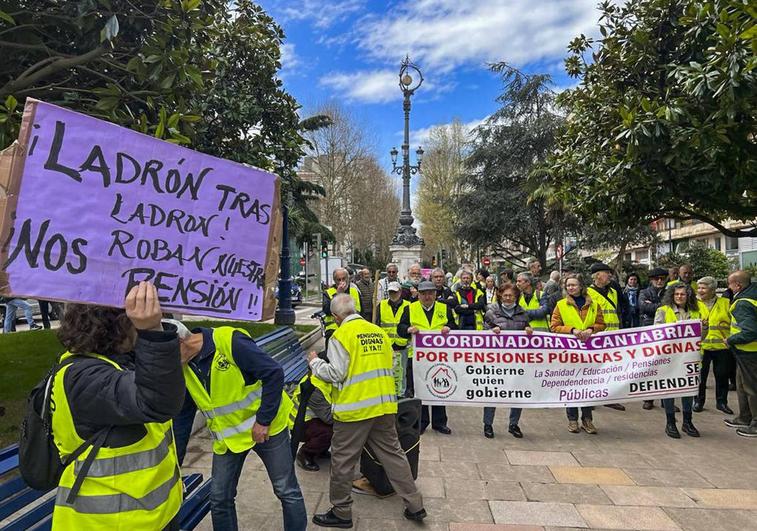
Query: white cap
x,y
394,286
181,330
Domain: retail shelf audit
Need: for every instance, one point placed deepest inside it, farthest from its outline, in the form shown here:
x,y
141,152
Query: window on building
x,y
717,245
642,255
731,244
627,257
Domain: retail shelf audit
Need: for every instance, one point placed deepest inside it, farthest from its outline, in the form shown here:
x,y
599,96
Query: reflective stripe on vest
x,y
368,391
609,306
479,315
142,478
572,318
231,406
390,320
534,304
323,387
329,319
747,347
418,319
719,325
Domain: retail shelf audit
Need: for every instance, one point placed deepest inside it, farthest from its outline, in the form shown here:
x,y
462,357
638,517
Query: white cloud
x,y
444,34
323,15
369,86
289,58
419,137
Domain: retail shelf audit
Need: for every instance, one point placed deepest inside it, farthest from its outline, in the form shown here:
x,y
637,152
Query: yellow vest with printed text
x,y
390,320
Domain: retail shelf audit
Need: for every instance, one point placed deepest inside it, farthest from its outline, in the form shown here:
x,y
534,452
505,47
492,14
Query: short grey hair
x,y
555,275
528,276
709,282
439,270
338,270
343,305
392,264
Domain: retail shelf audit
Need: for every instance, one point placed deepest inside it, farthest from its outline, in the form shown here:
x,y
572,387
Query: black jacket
x,y
650,299
150,388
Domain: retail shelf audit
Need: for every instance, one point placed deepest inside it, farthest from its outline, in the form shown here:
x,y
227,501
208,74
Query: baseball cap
x,y
394,286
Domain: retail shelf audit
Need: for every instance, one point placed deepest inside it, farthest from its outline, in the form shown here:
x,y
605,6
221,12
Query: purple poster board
x,y
100,208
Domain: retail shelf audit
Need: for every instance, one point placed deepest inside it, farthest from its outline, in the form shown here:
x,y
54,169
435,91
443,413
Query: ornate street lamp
x,y
410,79
284,312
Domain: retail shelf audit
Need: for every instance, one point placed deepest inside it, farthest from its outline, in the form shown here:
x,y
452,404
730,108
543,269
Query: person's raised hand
x,y
341,287
143,307
412,330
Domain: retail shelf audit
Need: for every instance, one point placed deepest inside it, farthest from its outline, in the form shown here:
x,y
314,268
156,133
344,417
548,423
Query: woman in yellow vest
x,y
714,350
680,304
577,314
120,383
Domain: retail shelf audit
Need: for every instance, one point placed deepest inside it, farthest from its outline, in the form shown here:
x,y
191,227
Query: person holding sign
x,y
239,389
119,386
531,300
579,315
506,314
679,304
426,314
388,317
341,285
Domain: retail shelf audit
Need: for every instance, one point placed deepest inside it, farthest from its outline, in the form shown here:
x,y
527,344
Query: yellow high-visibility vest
x,y
230,407
368,390
747,347
693,284
390,320
331,292
533,304
132,487
609,306
719,325
572,318
419,321
323,387
479,315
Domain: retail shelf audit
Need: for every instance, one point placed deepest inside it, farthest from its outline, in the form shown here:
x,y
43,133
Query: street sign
x,y
486,261
302,261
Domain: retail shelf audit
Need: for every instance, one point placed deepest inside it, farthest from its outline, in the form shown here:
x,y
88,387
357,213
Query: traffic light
x,y
433,261
444,254
324,249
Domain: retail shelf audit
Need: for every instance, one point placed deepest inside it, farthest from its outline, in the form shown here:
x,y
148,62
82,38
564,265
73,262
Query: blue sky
x,y
350,51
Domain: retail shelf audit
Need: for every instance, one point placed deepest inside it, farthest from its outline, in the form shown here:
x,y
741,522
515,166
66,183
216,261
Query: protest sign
x,y
91,209
556,370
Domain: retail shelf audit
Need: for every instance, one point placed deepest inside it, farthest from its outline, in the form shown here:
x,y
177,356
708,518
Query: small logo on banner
x,y
441,380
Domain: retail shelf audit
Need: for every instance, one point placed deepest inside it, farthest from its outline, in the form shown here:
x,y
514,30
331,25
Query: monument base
x,y
405,256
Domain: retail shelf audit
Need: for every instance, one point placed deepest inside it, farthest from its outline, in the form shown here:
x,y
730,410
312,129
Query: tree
x,y
495,210
439,186
618,240
663,121
705,262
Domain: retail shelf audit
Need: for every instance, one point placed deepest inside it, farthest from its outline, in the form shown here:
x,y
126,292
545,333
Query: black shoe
x,y
515,431
619,407
689,429
648,404
444,430
416,516
735,422
731,386
672,431
307,462
35,327
698,406
724,408
329,519
749,431
488,431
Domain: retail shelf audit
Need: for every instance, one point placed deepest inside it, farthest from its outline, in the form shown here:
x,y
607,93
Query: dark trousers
x,y
746,385
722,362
438,417
586,413
317,437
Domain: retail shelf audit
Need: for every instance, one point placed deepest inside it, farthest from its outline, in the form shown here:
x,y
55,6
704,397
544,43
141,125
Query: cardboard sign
x,y
89,209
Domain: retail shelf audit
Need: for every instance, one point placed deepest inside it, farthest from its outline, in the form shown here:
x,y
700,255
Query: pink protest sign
x,y
93,208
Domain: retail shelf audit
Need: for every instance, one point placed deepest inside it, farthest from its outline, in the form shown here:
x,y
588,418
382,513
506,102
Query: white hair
x,y
181,330
555,275
709,282
339,270
342,305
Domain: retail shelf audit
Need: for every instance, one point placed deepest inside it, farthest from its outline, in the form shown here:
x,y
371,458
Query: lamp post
x,y
284,313
411,79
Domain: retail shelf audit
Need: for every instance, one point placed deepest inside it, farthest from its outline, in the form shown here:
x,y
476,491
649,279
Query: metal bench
x,y
284,346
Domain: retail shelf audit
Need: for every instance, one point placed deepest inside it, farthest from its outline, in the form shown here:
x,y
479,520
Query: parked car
x,y
296,292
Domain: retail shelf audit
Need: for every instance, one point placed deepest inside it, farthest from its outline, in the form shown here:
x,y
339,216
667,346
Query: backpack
x,y
38,459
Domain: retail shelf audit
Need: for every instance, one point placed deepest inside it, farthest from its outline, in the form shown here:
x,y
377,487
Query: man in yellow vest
x,y
365,410
341,285
685,275
239,389
388,317
532,301
317,420
743,342
470,304
426,314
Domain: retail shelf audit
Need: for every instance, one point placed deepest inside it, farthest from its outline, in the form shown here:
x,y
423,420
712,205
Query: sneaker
x,y
735,422
750,431
329,519
488,431
417,516
515,431
35,327
588,426
573,426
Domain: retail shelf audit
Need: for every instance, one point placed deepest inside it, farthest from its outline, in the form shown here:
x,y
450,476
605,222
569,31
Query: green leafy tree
x,y
704,260
663,121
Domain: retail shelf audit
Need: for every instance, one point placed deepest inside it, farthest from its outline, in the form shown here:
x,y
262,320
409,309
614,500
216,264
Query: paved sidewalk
x,y
629,476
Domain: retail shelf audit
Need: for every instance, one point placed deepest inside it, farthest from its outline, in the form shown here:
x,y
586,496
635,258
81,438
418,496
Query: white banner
x,y
469,368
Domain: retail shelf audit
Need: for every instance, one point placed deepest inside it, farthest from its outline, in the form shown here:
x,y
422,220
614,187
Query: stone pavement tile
x,y
313,481
453,526
430,453
472,489
255,495
666,478
565,493
383,524
519,457
590,475
533,474
636,518
475,454
449,469
725,498
713,519
648,496
536,513
457,510
732,477
430,487
611,459
364,506
504,490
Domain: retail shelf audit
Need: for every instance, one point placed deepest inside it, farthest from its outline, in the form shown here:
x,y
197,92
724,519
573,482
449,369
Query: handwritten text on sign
x,y
553,370
102,207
